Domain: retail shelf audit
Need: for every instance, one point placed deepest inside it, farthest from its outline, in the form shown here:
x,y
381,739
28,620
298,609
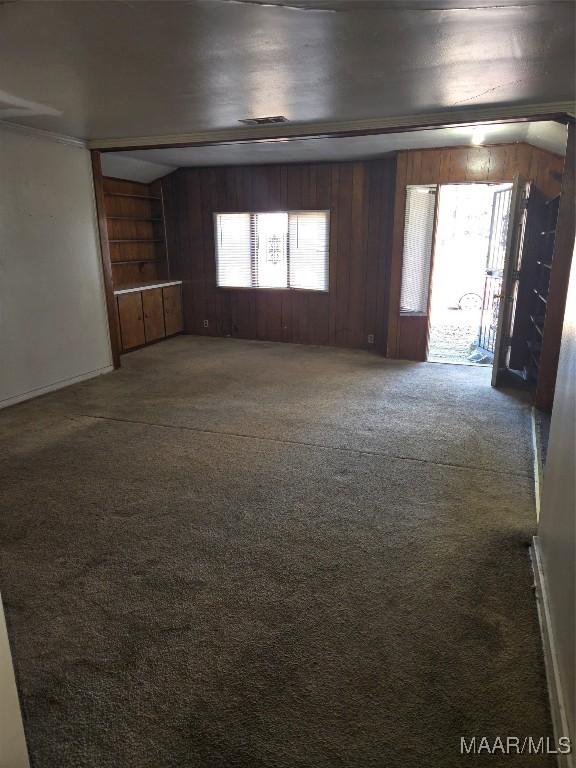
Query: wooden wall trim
x,y
111,307
396,256
559,279
469,117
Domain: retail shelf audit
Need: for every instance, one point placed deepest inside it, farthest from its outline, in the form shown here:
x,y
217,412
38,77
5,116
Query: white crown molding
x,y
37,133
311,130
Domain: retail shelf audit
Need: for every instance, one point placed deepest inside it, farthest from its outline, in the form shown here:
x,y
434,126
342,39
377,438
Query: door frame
x,y
415,328
111,305
516,226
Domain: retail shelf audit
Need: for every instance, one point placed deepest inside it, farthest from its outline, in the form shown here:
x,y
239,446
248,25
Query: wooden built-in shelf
x,y
536,324
134,261
130,194
134,218
139,257
536,292
534,349
541,250
143,285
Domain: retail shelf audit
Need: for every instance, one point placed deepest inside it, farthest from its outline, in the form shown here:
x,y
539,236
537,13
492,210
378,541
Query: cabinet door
x,y
153,314
173,309
131,320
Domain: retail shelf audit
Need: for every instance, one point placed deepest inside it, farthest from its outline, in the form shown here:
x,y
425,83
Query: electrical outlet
x,y
370,338
205,323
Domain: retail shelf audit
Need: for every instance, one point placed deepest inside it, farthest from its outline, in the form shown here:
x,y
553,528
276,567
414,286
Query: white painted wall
x,y
53,326
557,522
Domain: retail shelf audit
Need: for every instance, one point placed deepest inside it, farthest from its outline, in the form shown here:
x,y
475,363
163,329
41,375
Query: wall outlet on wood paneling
x,y
370,338
205,323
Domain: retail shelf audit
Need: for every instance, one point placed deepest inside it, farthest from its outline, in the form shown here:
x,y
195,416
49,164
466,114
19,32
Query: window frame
x,y
324,291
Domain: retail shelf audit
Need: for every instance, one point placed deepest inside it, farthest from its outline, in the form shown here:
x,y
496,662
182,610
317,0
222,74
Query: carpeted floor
x,y
254,555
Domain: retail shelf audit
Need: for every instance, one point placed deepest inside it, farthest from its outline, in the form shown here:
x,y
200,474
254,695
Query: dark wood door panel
x,y
131,320
153,308
413,337
173,309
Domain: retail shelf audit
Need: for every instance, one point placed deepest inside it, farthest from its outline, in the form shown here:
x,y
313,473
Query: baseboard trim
x,y
537,453
55,385
555,690
13,749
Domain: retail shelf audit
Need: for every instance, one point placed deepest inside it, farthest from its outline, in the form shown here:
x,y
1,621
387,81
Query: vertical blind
x,y
417,255
287,249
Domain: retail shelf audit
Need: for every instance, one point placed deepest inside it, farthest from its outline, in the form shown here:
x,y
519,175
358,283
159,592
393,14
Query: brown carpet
x,y
262,555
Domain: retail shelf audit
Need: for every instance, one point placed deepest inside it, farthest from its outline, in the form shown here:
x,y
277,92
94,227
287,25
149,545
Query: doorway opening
x,y
469,252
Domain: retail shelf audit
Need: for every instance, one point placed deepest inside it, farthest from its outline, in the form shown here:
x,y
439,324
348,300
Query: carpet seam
x,y
356,451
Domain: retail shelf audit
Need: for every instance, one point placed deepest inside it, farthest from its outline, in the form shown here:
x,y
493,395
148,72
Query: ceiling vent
x,y
264,120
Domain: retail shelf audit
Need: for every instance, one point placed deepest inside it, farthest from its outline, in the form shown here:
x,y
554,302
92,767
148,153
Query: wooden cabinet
x,y
149,314
153,307
131,320
173,309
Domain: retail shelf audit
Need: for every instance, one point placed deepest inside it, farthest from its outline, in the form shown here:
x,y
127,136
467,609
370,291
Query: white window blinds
x,y
308,238
273,250
233,246
417,255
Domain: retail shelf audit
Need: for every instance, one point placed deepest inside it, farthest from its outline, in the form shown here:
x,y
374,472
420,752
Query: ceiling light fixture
x,y
478,136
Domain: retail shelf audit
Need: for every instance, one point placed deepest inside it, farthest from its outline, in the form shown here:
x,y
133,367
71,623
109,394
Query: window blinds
x,y
273,250
308,239
417,255
233,247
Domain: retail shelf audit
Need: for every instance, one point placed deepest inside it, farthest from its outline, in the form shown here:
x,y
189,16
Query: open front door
x,y
494,270
509,285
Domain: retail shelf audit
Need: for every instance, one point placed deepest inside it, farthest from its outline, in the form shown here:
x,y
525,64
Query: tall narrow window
x,y
418,242
285,249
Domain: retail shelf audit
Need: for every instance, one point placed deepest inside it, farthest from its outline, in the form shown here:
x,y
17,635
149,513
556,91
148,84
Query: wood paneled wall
x,y
360,197
366,200
407,336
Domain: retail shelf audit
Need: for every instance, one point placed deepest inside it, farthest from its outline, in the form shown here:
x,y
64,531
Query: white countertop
x,y
147,286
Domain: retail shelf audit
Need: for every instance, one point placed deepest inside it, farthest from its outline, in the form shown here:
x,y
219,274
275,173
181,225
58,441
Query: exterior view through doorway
x,y
467,270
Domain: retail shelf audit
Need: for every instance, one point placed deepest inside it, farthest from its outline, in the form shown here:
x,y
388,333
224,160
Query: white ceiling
x,y
100,70
147,165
